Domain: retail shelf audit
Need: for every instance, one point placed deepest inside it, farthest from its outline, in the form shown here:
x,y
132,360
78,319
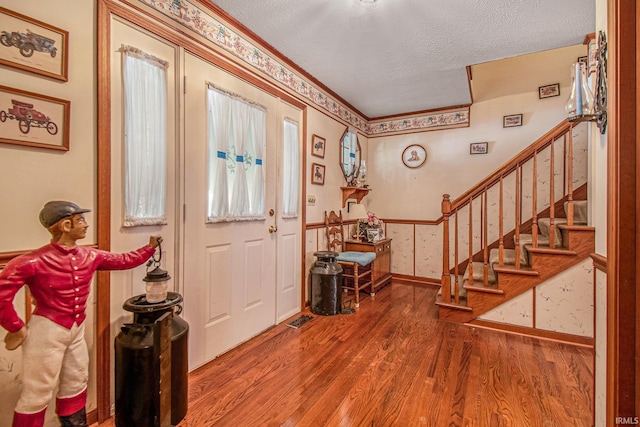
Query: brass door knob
x,y
273,229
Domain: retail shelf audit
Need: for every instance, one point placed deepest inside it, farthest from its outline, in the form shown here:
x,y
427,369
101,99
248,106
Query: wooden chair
x,y
356,266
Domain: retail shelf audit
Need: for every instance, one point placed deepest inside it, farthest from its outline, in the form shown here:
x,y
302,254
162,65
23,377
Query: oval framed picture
x,y
414,156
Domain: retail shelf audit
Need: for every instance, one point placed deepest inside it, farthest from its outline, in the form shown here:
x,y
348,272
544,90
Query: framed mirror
x,y
349,155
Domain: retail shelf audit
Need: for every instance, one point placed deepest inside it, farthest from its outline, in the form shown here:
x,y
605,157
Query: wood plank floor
x,y
393,364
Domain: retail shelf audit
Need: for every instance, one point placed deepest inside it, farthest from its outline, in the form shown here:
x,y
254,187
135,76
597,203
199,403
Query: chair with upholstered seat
x,y
356,266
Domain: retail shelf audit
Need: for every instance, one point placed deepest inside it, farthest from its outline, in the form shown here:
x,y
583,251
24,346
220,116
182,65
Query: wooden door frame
x,y
622,218
144,19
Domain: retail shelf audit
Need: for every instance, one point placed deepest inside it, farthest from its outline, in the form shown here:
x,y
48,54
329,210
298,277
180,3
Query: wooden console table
x,y
381,269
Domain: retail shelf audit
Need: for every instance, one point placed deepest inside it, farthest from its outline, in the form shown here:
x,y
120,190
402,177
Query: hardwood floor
x,y
393,364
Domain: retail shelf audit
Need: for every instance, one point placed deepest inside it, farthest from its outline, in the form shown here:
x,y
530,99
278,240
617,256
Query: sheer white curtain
x,y
240,192
259,128
237,135
145,136
291,170
218,134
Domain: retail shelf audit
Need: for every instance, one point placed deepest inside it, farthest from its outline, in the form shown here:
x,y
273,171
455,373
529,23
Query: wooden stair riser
x,y
574,239
512,284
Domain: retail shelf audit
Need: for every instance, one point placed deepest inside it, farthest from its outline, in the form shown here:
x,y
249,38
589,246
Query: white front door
x,y
229,267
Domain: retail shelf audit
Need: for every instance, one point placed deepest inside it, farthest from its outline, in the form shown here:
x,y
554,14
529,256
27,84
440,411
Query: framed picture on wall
x,y
32,45
549,91
318,144
478,148
33,120
317,174
414,156
512,120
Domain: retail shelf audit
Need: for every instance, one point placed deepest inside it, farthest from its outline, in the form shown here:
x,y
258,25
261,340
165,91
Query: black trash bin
x,y
137,363
326,284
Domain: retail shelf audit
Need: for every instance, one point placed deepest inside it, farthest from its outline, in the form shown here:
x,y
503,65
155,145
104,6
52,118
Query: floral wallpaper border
x,y
203,23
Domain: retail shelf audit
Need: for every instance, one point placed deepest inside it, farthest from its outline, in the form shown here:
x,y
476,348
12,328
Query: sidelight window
x,y
145,138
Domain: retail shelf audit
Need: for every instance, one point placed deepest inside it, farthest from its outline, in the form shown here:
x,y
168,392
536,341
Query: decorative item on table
x,y
371,222
580,100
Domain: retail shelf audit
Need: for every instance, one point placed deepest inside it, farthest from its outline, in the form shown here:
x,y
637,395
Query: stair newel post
x,y
552,197
485,236
470,264
516,237
569,212
456,291
501,228
534,202
446,276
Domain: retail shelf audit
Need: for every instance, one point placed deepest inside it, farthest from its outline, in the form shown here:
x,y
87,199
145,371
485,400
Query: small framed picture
x,y
33,120
33,46
584,60
414,156
317,146
373,235
317,174
478,148
549,91
512,120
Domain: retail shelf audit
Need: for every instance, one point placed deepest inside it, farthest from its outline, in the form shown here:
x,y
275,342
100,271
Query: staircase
x,y
544,238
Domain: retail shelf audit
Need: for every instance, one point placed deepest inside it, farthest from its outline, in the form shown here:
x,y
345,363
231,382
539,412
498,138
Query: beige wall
x,y
32,176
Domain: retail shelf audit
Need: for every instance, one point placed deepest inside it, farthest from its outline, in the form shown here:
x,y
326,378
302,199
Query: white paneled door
x,y
230,268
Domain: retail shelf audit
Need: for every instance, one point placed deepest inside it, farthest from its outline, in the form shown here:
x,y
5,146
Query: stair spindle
x,y
552,197
534,202
569,212
501,227
456,290
518,207
470,264
485,238
445,281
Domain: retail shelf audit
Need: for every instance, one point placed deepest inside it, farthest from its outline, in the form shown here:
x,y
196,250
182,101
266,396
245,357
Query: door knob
x,y
273,229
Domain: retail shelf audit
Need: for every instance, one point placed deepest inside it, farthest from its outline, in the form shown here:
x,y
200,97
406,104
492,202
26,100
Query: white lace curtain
x,y
236,144
145,136
290,170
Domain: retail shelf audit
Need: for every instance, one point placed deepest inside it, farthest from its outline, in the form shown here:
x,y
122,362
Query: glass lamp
x,y
156,280
363,173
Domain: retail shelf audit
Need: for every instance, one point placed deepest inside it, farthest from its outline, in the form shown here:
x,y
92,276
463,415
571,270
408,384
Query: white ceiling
x,y
401,56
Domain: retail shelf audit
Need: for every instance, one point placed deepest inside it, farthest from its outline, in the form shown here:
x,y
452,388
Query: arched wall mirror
x,y
349,155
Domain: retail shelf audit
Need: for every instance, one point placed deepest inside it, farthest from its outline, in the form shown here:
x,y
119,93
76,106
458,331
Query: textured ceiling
x,y
401,56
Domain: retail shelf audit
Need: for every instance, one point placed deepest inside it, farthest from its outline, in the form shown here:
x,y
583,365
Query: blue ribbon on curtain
x,y
222,155
239,158
258,162
352,155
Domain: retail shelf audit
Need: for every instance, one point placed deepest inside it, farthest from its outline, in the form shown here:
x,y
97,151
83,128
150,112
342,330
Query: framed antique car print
x,y
33,120
32,45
